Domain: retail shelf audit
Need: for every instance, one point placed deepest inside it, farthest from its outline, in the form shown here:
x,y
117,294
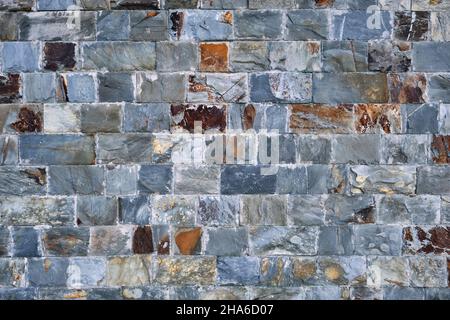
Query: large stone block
x,y
185,270
402,209
110,240
177,210
341,209
86,272
9,147
196,179
160,87
360,149
115,87
113,25
155,179
217,88
10,85
258,25
81,180
56,149
227,241
307,25
23,181
249,56
12,272
95,210
20,57
361,25
47,272
129,271
433,180
39,87
238,270
377,240
148,25
65,241
133,148
25,242
344,56
237,179
306,210
263,210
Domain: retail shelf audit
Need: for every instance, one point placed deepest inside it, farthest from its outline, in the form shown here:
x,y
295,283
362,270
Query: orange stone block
x,y
188,240
214,57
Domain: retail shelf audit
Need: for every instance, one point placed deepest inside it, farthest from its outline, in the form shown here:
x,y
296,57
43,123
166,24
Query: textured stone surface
x,y
219,149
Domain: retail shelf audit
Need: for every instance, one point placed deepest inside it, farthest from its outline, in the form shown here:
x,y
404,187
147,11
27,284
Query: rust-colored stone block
x,y
213,117
214,57
188,240
407,88
9,88
59,56
440,149
378,118
434,240
142,240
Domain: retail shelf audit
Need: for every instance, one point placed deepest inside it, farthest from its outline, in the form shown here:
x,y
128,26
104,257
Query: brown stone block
x,y
378,118
214,57
440,149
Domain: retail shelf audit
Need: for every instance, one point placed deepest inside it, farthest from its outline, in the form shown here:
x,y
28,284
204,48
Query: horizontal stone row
x,y
368,23
28,5
156,292
225,210
261,87
208,152
239,56
311,123
142,270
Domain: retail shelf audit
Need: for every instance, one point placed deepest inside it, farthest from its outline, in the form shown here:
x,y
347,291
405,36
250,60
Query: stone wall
x,y
109,189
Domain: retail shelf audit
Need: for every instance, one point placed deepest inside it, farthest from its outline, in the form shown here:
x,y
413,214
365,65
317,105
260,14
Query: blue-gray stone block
x,y
258,24
47,272
154,117
20,57
113,25
25,242
39,87
155,179
82,180
238,270
307,25
240,179
115,87
80,87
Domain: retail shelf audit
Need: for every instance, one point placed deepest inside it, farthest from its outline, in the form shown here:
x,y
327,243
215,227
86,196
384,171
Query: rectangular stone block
x,y
335,240
428,272
83,180
387,55
258,25
327,179
404,149
65,241
263,210
402,209
407,87
62,118
377,240
110,240
129,271
431,56
238,270
47,272
135,210
306,210
13,5
10,85
80,87
216,87
134,148
275,240
56,149
433,180
227,241
344,56
23,181
153,117
342,209
39,87
155,179
20,57
160,87
119,56
237,179
185,270
113,25
249,56
378,118
25,242
196,179
59,56
9,147
281,87
361,149
12,272
438,87
100,118
16,119
136,4
96,210
29,211
313,149
440,26
176,210
218,210
307,25
319,118
201,25
385,271
86,272
58,26
333,88
148,26
361,25
115,87
383,179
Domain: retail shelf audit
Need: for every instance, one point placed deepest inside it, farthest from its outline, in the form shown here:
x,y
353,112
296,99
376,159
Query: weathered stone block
x,y
65,241
360,149
121,180
258,25
383,179
176,56
196,179
342,271
317,118
421,118
238,270
283,240
160,87
59,56
216,87
333,88
227,241
281,87
403,293
20,57
387,271
9,147
341,209
47,272
361,25
218,210
407,87
263,210
25,242
417,210
148,25
440,149
115,87
438,87
110,240
307,25
412,25
344,56
10,85
39,87
433,180
440,23
135,210
306,210
56,149
142,240
178,210
29,211
426,240
327,179
389,56
58,26
377,240
295,56
335,240
378,118
113,25
62,118
133,148
100,118
8,26
23,181
314,149
12,272
188,241
246,180
428,272
21,118
161,239
431,56
290,180
153,117
155,179
82,180
223,4
86,272
210,118
129,271
136,4
92,211
213,57
185,270
249,56
201,25
80,87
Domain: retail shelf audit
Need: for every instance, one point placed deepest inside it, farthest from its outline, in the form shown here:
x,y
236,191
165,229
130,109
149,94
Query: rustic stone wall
x,y
109,188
